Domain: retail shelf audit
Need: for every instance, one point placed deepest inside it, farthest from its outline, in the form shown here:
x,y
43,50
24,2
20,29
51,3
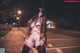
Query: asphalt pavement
x,y
57,41
63,41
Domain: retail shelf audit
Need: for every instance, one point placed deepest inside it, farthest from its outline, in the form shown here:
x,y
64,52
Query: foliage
x,y
4,29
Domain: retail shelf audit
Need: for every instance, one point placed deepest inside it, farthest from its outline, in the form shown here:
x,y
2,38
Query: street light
x,y
18,18
19,12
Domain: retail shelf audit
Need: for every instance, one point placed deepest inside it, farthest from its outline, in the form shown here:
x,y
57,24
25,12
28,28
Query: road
x,y
63,41
59,41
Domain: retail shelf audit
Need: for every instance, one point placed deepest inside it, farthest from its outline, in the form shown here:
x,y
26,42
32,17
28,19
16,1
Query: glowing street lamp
x,y
17,18
19,12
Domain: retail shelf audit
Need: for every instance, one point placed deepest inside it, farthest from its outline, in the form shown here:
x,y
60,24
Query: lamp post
x,y
19,17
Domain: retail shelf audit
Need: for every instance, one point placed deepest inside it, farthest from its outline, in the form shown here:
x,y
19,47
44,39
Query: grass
x,y
4,30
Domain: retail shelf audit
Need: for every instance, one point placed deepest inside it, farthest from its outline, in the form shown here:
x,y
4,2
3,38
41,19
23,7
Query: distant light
x,y
17,18
14,23
49,26
6,23
19,12
53,27
48,22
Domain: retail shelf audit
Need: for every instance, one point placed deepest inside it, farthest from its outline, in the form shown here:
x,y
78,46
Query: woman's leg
x,y
27,45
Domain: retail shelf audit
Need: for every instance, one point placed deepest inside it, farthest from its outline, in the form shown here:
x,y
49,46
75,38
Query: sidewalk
x,y
13,41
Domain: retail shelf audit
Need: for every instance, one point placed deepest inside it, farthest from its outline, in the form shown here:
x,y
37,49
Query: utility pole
x,y
44,24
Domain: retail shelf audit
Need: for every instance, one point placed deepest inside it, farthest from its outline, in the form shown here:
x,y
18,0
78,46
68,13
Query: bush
x,y
4,29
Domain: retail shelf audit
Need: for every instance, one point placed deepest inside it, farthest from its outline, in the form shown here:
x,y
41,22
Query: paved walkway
x,y
13,41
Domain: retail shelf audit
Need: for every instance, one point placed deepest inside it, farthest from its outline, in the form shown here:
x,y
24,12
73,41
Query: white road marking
x,y
50,45
62,39
66,36
58,50
62,47
69,36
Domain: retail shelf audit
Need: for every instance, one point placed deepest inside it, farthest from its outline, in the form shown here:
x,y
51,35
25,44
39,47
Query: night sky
x,y
52,8
57,10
